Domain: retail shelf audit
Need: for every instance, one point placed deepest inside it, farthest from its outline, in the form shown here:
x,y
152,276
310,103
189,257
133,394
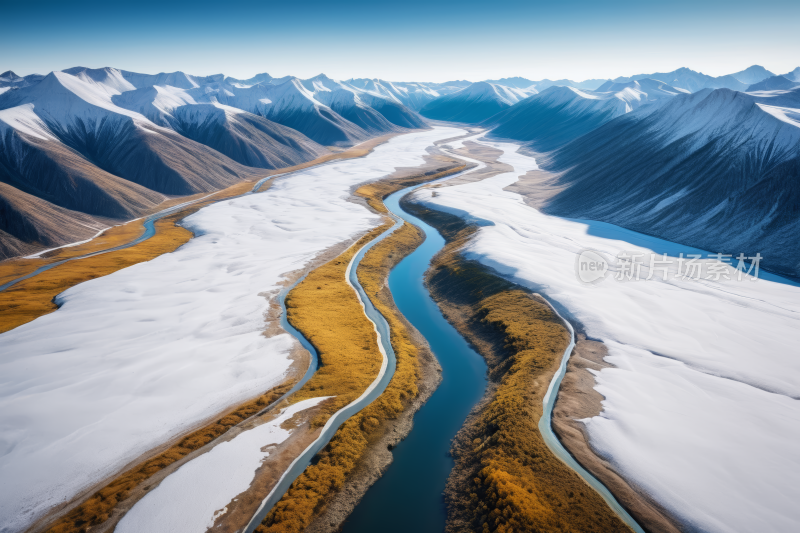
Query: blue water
x,y
409,495
304,459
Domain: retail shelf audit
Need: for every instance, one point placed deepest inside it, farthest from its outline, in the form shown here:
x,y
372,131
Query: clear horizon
x,y
419,41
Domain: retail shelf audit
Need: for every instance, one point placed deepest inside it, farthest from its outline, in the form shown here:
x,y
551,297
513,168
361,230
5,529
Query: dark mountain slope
x,y
558,115
775,83
246,138
717,169
473,104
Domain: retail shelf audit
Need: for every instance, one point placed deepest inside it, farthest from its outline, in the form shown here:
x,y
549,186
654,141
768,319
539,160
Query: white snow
x,y
784,114
24,120
138,357
190,499
702,408
483,90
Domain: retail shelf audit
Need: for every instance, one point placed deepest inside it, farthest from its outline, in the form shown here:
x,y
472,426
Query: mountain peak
x,y
10,75
793,75
753,74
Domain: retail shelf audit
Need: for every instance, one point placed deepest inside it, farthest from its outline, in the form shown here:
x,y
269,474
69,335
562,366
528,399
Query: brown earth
x,y
577,400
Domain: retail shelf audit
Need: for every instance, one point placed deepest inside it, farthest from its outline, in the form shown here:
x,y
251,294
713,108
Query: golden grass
x,y
327,311
307,495
99,506
505,478
33,297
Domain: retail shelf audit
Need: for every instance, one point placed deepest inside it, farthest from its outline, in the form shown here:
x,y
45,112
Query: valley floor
x,y
91,381
680,396
699,409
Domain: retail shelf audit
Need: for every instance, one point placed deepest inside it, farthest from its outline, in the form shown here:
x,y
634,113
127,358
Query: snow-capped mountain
x,y
692,81
716,169
372,111
9,80
475,103
258,78
84,147
753,74
560,114
412,95
515,82
589,85
541,85
179,79
67,146
447,87
793,75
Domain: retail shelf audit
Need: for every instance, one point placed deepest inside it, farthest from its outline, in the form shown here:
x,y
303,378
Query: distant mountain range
x,y
81,149
709,162
560,114
84,148
475,103
695,81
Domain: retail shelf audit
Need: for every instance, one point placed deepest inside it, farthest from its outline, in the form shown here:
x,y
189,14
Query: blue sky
x,y
406,40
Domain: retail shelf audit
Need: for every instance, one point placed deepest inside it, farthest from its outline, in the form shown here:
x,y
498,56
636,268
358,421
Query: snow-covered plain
x,y
701,408
138,357
198,492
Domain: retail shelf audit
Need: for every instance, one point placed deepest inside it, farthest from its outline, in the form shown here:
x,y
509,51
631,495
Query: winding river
x,y
422,463
417,477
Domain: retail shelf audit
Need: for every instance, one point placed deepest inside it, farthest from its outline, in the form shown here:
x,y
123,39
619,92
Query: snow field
x,y
134,359
190,499
701,408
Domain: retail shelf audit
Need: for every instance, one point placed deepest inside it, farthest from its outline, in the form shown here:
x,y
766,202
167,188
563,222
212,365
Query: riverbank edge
x,y
378,455
577,399
461,486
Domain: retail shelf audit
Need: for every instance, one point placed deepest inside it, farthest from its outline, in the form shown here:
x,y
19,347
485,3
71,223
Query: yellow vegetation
x,y
506,479
307,495
98,507
328,313
33,297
